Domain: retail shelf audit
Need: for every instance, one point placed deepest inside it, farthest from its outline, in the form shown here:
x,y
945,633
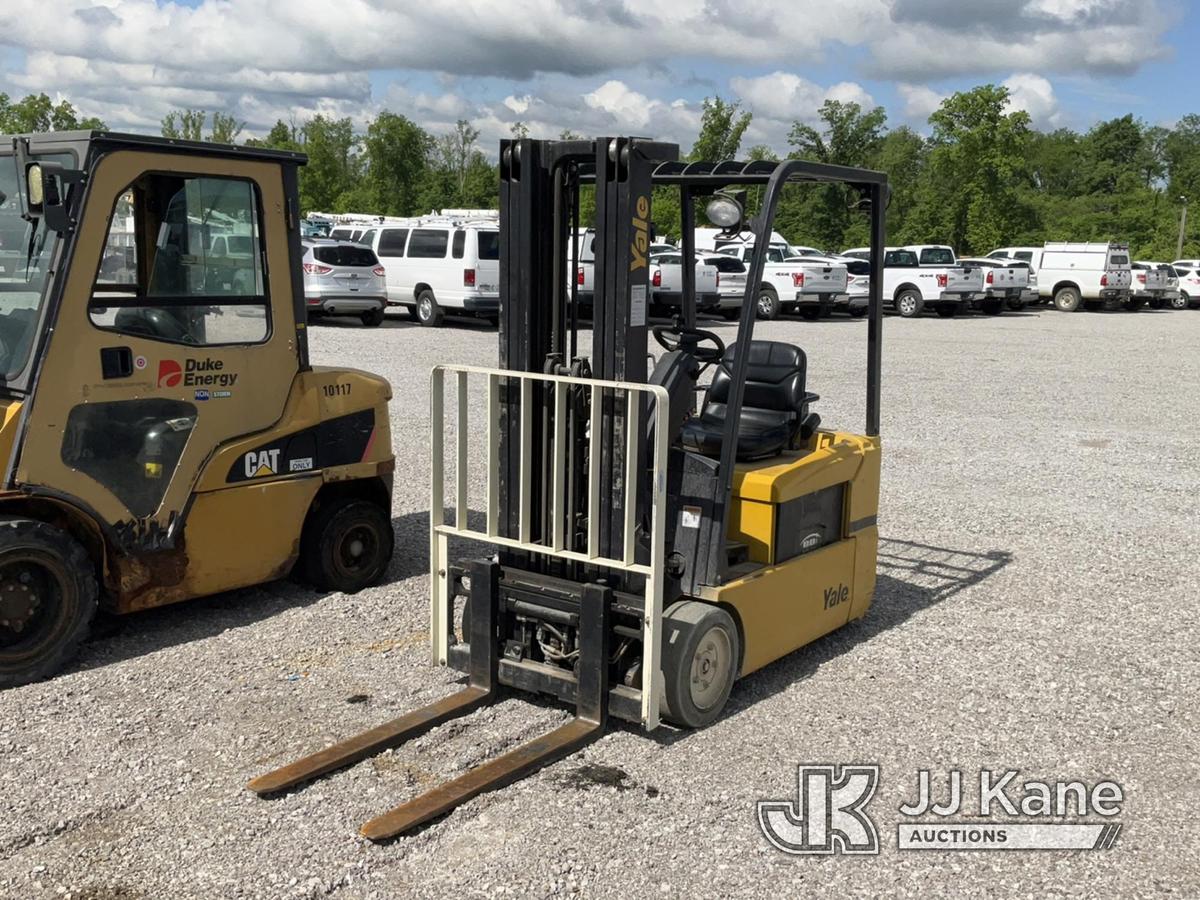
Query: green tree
x,y
722,126
969,194
397,153
225,128
333,166
38,113
184,124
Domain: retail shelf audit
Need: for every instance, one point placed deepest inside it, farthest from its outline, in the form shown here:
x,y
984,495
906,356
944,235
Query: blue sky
x,y
601,65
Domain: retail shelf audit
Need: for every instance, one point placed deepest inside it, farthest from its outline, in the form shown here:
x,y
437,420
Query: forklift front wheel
x,y
347,545
48,599
700,657
428,311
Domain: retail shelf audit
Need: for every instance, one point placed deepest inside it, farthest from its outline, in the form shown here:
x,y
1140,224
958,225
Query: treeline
x,y
982,178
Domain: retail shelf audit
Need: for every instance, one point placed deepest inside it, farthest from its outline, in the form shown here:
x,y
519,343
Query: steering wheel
x,y
673,337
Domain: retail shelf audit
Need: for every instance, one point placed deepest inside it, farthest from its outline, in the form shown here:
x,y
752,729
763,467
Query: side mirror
x,y
43,189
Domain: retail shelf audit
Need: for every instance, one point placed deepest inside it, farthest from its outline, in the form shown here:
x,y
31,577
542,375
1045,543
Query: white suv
x,y
437,266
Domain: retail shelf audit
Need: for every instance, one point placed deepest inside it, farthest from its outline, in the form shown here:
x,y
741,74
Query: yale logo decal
x,y
259,463
641,234
836,595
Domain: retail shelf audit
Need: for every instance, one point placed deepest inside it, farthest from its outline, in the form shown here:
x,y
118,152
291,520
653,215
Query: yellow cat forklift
x,y
655,534
162,433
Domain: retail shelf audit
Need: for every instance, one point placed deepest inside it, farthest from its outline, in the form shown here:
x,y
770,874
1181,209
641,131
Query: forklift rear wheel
x,y
768,304
428,311
347,545
48,599
699,662
909,304
372,318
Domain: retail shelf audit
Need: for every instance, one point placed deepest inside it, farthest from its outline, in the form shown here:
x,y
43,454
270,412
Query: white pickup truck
x,y
666,283
813,289
1005,283
1154,284
909,286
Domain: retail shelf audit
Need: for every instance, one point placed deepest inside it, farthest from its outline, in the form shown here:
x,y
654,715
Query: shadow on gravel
x,y
116,638
911,577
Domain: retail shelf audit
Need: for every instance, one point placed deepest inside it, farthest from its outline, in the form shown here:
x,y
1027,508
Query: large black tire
x,y
910,304
412,313
48,597
346,546
372,318
1067,299
768,303
429,313
947,310
700,659
1015,304
1180,301
993,307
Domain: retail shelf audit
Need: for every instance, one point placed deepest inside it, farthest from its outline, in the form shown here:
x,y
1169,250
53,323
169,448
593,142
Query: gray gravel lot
x,y
1036,610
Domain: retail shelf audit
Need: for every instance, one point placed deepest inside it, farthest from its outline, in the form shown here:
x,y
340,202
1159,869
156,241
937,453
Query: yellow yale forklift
x,y
656,534
162,434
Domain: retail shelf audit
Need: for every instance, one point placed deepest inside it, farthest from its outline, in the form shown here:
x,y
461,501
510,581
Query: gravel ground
x,y
1035,610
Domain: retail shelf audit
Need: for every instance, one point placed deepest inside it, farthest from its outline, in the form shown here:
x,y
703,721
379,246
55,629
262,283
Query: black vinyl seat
x,y
774,405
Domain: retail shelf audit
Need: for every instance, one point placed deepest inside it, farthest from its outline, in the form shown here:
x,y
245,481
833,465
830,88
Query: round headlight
x,y
723,211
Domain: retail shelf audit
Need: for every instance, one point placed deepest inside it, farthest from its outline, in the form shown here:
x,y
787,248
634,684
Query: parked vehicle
x,y
441,264
858,280
343,279
1152,284
812,289
347,232
941,282
731,283
1074,275
715,239
1005,283
666,282
1189,283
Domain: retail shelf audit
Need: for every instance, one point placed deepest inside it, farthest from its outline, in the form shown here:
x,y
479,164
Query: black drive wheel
x,y
947,310
701,650
48,597
428,311
909,304
768,303
1067,299
347,545
993,307
1179,301
372,318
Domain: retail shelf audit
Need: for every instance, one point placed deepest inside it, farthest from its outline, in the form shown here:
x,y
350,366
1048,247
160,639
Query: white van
x,y
437,266
1076,274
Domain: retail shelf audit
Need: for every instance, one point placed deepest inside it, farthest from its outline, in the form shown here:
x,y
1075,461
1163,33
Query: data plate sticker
x,y
691,517
637,305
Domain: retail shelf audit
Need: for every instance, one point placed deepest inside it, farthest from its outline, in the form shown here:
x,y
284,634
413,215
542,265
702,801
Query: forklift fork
x,y
588,724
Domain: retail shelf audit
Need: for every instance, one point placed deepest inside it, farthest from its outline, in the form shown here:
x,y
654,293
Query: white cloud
x,y
1035,95
785,96
919,101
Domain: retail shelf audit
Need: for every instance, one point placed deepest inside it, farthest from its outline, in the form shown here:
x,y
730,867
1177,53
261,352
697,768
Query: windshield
x,y
937,256
22,293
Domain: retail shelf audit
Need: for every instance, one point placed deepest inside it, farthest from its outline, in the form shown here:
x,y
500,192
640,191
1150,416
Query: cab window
x,y
937,256
184,263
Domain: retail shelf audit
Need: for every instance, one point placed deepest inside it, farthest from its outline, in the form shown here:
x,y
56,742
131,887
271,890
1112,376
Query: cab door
x,y
161,349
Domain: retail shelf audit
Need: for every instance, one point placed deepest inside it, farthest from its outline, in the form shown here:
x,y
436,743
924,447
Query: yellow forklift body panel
x,y
787,603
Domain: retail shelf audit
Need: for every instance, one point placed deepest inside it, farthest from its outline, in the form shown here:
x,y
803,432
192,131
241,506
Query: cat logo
x,y
261,462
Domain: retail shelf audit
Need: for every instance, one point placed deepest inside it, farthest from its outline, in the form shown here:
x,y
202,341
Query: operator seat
x,y
774,405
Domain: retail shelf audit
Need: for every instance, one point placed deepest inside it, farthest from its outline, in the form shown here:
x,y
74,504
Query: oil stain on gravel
x,y
590,775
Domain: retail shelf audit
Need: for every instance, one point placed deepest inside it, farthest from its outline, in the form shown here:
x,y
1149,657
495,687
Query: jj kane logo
x,y
829,813
195,373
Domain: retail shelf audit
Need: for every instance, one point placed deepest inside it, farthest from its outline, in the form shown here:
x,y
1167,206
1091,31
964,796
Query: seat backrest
x,y
775,377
